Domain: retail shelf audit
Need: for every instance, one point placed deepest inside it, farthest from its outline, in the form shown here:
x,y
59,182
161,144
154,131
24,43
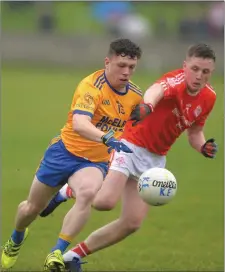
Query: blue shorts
x,y
59,164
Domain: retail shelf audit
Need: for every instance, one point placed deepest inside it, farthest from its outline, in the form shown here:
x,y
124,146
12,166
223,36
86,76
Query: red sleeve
x,y
171,82
168,86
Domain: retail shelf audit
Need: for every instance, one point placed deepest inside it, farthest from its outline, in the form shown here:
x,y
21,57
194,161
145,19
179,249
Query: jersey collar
x,y
111,87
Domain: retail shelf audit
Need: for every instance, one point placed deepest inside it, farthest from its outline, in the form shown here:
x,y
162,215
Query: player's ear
x,y
184,64
106,61
213,68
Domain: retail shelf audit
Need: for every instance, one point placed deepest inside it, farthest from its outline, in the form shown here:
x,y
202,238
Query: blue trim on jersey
x,y
137,91
83,112
100,84
100,87
117,92
99,79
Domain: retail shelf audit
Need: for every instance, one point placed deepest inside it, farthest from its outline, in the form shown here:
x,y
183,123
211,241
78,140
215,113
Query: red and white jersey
x,y
176,112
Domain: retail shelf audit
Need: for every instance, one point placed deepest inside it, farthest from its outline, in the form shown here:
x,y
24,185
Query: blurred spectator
x,y
15,5
216,19
120,19
194,26
46,18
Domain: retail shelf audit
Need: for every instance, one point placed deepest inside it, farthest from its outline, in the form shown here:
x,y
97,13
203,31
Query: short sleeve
x,y
202,120
168,86
86,99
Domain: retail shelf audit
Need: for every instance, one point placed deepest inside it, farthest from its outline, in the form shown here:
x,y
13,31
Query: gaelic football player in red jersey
x,y
180,100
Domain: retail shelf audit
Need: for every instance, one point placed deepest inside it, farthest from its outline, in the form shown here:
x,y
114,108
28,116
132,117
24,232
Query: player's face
x,y
197,72
119,70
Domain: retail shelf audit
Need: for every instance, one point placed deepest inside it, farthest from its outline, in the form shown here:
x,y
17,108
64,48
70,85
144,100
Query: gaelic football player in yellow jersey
x,y
101,105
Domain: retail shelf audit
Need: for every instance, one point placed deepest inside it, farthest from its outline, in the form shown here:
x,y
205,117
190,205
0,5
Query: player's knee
x,y
85,194
104,201
131,224
103,204
29,208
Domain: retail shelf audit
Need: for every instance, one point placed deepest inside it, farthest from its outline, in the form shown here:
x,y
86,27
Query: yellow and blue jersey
x,y
108,109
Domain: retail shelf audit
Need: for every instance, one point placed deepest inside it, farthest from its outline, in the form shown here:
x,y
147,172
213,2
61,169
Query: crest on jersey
x,y
188,106
88,98
197,111
120,160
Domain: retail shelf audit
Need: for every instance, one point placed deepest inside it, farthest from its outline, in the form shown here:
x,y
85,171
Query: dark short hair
x,y
124,47
201,50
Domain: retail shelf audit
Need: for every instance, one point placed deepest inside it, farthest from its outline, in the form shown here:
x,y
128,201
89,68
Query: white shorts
x,y
134,164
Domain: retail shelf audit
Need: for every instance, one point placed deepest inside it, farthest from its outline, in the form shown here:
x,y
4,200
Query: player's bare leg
x,y
134,210
38,198
103,201
111,191
63,195
86,183
28,210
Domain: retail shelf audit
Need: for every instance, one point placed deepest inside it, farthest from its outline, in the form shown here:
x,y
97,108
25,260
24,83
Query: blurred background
x,y
78,33
46,49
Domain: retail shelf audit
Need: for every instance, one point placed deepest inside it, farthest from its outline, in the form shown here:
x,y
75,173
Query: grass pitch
x,y
185,235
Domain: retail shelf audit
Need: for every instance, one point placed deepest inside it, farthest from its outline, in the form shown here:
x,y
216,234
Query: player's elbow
x,y
78,123
154,94
77,127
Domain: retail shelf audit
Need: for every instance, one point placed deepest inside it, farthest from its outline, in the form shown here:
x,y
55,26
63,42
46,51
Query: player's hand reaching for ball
x,y
140,112
209,149
113,143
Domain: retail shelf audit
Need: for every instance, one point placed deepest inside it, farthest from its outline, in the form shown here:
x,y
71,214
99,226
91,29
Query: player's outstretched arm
x,y
197,140
154,94
151,98
83,126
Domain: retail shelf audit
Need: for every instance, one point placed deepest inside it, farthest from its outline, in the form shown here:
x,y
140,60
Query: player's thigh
x,y
87,180
111,189
134,209
56,165
40,194
113,185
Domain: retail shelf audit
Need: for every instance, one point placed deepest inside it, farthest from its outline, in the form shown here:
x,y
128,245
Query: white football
x,y
157,186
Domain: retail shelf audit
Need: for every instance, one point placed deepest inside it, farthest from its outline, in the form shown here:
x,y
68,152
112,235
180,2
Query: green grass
x,y
185,235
